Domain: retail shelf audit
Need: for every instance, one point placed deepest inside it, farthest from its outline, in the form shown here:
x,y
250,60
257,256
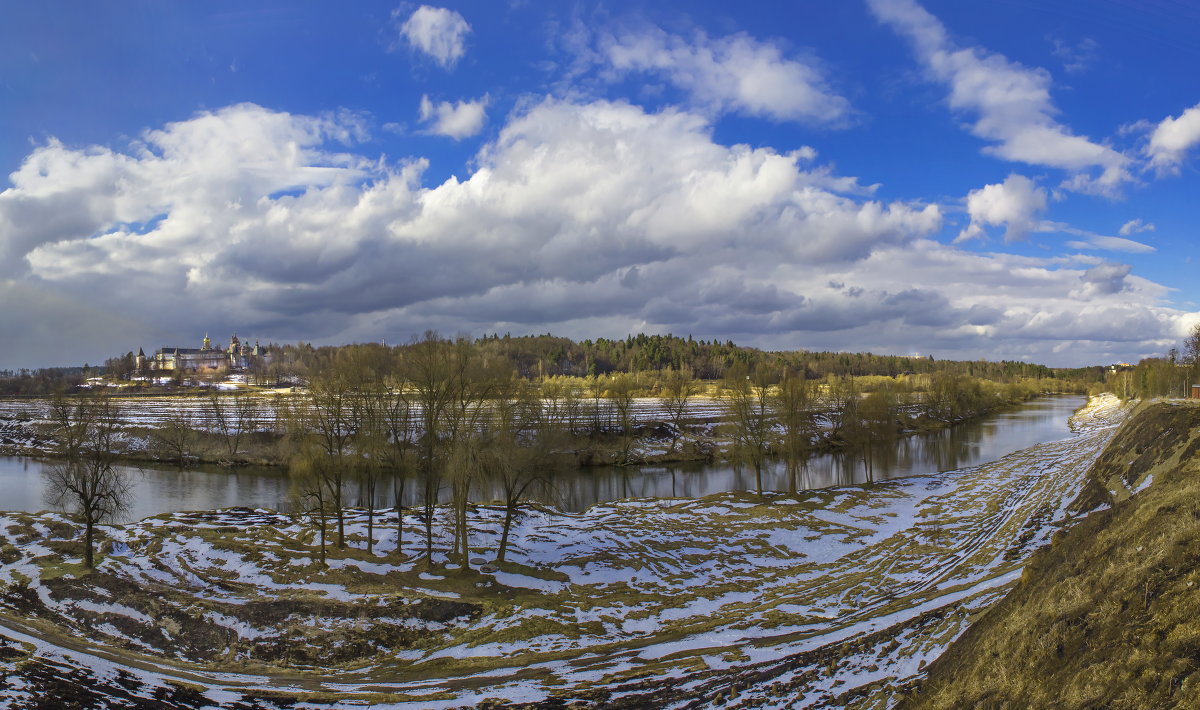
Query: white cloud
x,y
1091,240
735,73
222,161
1135,226
1097,241
457,120
436,31
1014,203
581,218
1172,139
1011,103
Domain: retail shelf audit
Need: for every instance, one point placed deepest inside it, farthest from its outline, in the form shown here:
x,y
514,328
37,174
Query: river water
x,y
165,489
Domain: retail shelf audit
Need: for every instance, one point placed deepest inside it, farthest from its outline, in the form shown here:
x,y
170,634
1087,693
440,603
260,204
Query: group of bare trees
x,y
779,412
221,427
437,416
769,413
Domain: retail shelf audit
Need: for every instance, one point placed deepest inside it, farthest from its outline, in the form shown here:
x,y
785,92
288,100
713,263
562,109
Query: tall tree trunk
x,y
321,517
370,528
88,559
341,523
400,518
430,503
510,510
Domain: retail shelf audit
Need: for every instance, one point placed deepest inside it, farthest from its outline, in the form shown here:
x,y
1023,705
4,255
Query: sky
x,y
1015,179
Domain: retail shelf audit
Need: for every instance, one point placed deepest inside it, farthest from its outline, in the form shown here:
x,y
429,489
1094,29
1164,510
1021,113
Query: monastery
x,y
206,359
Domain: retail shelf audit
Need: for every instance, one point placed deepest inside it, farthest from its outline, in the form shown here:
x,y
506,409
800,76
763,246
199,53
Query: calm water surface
x,y
164,489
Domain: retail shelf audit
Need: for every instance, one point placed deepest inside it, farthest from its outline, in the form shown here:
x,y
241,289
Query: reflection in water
x,y
158,490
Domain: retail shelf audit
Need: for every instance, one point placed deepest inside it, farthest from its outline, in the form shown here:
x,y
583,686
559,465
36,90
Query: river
x,y
158,489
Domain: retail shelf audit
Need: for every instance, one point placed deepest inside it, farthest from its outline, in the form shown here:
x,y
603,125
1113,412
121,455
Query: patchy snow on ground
x,y
794,600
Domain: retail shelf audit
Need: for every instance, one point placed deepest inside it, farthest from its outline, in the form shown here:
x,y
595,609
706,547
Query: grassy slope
x,y
1107,616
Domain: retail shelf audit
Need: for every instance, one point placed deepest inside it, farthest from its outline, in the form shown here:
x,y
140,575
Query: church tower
x,y
207,342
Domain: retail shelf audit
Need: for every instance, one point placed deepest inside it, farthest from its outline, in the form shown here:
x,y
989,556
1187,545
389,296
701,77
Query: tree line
x,y
1171,375
537,356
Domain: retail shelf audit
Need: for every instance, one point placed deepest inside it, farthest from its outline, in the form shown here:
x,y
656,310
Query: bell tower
x,y
207,342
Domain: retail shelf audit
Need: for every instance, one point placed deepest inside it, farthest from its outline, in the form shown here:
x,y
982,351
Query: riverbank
x,y
1106,615
827,598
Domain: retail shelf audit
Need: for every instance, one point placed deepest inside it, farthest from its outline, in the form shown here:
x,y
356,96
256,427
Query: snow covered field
x,y
835,597
25,428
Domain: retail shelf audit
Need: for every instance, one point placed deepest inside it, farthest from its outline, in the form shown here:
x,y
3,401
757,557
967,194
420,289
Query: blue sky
x,y
1012,179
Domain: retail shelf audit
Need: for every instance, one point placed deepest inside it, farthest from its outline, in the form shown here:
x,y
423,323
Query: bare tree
x,y
307,470
232,415
877,412
330,419
747,405
371,449
1191,347
399,416
297,446
792,403
87,482
473,384
841,403
678,385
621,390
599,411
175,435
518,449
572,409
428,372
1191,356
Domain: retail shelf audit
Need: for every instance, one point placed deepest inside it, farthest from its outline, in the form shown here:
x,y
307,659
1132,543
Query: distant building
x,y
1119,367
1195,392
203,360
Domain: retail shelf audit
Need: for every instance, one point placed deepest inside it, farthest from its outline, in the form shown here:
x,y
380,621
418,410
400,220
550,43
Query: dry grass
x,y
1109,615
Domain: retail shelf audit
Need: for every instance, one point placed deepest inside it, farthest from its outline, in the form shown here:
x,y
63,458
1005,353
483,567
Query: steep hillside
x,y
1107,616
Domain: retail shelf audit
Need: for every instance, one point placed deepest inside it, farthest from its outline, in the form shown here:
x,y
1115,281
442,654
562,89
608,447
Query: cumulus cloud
x,y
1172,139
222,161
585,219
1014,203
1103,280
437,32
735,73
457,120
1135,226
1011,103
